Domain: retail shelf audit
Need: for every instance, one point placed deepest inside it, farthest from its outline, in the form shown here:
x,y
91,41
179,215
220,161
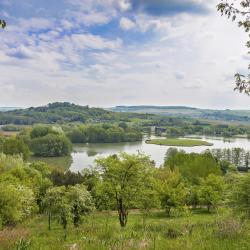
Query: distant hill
x,y
62,112
188,112
4,109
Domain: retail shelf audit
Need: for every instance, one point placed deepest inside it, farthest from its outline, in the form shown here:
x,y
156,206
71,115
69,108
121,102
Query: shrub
x,y
51,146
16,146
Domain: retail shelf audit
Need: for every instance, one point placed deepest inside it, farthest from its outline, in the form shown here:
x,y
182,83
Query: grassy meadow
x,y
101,231
179,142
62,162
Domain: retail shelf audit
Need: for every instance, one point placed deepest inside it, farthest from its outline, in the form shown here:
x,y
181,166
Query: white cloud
x,y
124,5
82,41
177,60
127,24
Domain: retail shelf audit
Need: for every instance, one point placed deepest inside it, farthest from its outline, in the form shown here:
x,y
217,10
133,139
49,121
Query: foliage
x,y
211,191
39,131
7,162
175,132
240,196
12,127
68,178
103,134
51,145
193,166
236,156
63,112
67,204
172,190
16,203
238,10
16,146
3,24
81,202
125,180
56,204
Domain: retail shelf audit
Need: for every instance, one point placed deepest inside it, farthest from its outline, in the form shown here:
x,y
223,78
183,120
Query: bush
x,y
16,146
39,131
16,203
51,146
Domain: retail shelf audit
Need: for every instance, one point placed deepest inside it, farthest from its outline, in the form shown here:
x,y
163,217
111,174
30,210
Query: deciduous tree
x,y
125,178
238,10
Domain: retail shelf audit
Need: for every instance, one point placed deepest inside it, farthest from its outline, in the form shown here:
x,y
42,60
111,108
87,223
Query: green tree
x,y
148,201
211,191
80,201
56,204
238,10
16,146
193,166
16,203
240,195
77,135
172,190
125,179
39,131
51,145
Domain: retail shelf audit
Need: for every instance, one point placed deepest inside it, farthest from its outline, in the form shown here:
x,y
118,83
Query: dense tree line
x,y
201,128
119,182
104,133
238,157
53,141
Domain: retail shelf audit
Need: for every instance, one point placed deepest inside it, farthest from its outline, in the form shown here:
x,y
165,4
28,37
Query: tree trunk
x,y
123,217
208,208
76,216
168,209
123,213
49,220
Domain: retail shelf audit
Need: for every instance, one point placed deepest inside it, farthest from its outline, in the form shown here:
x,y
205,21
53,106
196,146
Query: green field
x,y
217,231
62,163
179,142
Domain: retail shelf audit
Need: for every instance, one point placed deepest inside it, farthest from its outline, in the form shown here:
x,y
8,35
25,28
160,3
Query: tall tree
x,y
239,10
125,180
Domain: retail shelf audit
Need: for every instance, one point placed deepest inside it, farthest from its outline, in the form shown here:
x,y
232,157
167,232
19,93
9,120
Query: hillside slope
x,y
188,112
62,113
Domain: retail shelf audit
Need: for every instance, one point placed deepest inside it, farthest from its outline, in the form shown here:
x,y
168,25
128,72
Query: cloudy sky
x,y
120,52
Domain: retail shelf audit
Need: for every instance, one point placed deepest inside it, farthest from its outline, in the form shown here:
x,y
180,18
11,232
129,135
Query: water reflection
x,y
84,155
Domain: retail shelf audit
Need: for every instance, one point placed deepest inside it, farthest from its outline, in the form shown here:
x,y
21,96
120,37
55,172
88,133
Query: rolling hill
x,y
188,112
63,112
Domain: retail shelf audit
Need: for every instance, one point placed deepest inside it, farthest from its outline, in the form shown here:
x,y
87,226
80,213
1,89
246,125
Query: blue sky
x,y
120,52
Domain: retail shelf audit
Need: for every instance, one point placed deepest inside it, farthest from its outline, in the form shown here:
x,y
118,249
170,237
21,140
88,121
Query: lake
x,y
84,155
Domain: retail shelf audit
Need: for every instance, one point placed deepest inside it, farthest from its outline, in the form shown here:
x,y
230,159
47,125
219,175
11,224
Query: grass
x,y
179,142
101,231
63,163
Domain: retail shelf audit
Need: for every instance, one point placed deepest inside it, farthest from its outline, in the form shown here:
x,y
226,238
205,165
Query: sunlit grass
x,y
62,163
179,142
101,230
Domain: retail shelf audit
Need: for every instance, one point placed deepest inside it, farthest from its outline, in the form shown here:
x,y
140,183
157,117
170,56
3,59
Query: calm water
x,y
85,154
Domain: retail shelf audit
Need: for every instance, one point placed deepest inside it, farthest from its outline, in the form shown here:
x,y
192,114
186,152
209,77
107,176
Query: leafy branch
x,y
242,12
2,24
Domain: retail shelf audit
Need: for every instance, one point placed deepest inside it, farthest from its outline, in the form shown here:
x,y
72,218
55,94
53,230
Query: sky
x,y
120,52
